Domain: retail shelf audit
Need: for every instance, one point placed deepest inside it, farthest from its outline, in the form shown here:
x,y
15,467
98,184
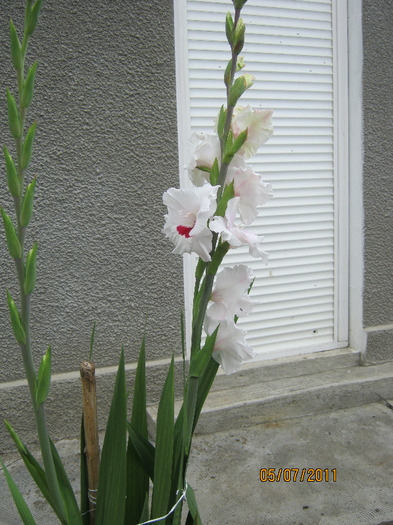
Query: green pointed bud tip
x,y
13,244
17,327
28,89
43,378
13,116
30,273
33,17
12,176
229,28
27,207
28,146
239,36
16,53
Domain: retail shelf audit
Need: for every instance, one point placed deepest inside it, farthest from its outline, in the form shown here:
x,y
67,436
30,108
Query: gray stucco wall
x,y
378,177
105,151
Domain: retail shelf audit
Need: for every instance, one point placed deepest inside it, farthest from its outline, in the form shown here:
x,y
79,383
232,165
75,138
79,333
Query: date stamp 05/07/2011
x,y
309,475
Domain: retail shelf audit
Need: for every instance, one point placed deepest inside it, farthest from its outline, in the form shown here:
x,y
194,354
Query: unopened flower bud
x,y
229,28
16,53
30,274
12,239
28,88
43,378
238,41
33,17
28,146
27,207
13,117
12,176
16,323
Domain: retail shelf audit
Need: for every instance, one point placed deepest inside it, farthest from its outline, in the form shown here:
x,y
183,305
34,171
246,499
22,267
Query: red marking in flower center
x,y
184,230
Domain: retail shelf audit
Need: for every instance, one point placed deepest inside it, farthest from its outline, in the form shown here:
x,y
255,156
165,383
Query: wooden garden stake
x,y
92,450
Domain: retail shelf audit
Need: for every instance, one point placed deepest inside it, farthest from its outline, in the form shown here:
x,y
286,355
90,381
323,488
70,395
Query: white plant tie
x,y
92,498
183,495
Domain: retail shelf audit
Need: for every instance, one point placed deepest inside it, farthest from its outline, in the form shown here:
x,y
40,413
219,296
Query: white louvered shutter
x,y
291,49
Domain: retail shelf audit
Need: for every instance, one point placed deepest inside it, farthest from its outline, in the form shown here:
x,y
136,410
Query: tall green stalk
x,y
25,266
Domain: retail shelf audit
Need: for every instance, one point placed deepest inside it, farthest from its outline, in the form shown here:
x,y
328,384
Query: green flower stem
x,y
208,283
27,356
198,324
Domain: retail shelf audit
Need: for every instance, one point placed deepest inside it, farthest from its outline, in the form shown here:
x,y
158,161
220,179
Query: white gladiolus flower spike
x,y
206,148
230,294
186,221
235,235
230,348
259,125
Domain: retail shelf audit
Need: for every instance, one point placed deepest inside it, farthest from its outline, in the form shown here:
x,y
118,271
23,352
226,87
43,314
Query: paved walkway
x,y
355,445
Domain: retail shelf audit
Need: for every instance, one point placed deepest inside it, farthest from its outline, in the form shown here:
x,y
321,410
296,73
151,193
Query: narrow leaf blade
x,y
137,476
35,469
164,447
21,505
70,504
113,468
144,449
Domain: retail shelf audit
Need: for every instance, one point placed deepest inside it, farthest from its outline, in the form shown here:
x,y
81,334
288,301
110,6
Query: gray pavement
x,y
225,472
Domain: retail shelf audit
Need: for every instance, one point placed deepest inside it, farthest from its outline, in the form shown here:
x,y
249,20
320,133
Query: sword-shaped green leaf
x,y
164,448
137,476
32,465
70,504
113,468
21,505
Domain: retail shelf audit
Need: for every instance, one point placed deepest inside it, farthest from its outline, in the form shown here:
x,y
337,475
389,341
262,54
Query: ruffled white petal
x,y
230,294
231,347
186,221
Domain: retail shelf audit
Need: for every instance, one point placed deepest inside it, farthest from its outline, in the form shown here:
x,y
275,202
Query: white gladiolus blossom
x,y
230,294
236,235
250,187
230,348
186,221
206,148
259,125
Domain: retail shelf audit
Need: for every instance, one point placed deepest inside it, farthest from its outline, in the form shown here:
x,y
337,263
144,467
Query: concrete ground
x,y
357,443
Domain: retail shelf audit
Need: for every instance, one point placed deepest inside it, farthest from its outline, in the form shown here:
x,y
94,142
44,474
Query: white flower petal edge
x,y
259,124
231,347
230,294
250,187
186,221
237,236
206,148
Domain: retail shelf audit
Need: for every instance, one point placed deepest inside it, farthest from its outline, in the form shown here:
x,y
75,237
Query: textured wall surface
x,y
378,176
105,150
